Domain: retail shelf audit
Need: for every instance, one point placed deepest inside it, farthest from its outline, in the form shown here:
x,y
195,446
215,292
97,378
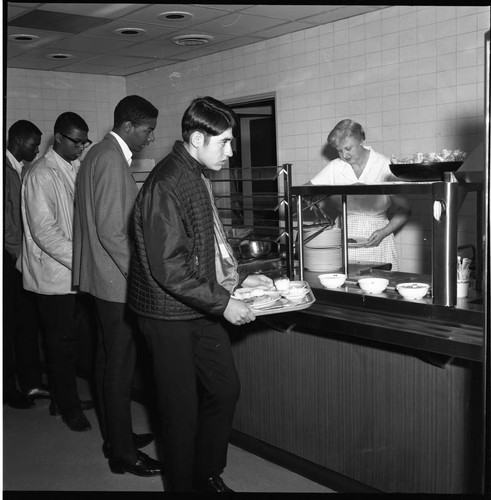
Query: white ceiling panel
x,y
199,14
28,5
79,55
283,29
164,48
238,24
140,68
107,10
107,31
14,11
92,44
87,67
227,7
35,63
43,37
14,52
96,49
116,60
289,12
342,12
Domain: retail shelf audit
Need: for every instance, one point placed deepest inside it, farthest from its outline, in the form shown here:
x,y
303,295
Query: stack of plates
x,y
324,252
330,237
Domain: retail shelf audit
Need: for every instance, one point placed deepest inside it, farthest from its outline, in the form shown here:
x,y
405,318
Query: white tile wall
x,y
41,96
413,76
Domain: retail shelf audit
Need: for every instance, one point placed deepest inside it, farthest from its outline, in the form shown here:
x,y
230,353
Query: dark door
x,y
263,154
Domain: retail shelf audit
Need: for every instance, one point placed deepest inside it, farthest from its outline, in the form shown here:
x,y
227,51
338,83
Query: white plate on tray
x,y
262,305
283,305
358,242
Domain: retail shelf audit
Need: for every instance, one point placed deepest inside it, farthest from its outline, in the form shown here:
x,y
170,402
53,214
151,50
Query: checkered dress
x,y
363,225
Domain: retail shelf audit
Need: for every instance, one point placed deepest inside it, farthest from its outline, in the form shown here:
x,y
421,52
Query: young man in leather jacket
x,y
181,282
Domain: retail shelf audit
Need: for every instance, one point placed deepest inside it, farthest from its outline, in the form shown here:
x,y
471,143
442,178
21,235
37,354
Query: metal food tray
x,y
283,305
430,171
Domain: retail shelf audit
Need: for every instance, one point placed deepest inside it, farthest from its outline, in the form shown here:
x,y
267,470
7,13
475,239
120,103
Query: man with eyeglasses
x,y
48,193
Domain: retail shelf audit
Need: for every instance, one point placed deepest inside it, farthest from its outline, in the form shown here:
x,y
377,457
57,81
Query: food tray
x,y
418,172
283,305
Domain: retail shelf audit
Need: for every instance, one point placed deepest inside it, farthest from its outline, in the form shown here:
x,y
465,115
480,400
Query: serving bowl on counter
x,y
373,285
332,280
254,248
413,291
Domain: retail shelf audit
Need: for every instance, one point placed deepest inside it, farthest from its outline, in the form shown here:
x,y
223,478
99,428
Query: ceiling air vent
x,y
191,40
129,32
23,38
175,16
59,56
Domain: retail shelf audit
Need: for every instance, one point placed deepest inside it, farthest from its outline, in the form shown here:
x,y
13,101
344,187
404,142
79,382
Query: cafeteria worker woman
x,y
367,214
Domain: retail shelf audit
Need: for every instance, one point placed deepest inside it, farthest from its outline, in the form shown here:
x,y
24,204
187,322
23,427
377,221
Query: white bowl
x,y
373,285
295,295
413,291
332,280
298,284
282,284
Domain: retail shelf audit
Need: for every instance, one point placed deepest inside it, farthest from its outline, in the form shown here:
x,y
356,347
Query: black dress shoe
x,y
38,393
18,400
141,440
212,484
76,420
143,466
84,405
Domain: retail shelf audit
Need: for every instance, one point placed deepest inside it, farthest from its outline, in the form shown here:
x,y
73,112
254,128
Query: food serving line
x,y
383,388
438,321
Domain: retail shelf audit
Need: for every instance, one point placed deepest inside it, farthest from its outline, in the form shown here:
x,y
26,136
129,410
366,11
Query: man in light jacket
x,y
47,210
105,195
21,354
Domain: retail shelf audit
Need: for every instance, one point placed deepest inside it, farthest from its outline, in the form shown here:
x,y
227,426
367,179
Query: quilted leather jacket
x,y
173,274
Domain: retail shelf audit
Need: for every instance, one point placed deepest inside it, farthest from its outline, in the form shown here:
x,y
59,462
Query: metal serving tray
x,y
284,305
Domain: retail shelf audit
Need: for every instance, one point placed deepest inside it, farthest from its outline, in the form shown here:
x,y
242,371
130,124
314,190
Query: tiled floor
x,y
42,454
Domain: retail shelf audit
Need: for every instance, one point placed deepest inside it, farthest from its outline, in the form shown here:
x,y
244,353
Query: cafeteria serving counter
x,y
366,393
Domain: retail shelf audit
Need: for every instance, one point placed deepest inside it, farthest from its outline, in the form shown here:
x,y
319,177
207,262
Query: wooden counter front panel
x,y
382,416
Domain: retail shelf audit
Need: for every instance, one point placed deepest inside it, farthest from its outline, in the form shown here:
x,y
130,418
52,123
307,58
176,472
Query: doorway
x,y
254,163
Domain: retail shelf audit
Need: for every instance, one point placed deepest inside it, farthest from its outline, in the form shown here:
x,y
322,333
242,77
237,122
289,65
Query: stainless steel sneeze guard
x,y
447,195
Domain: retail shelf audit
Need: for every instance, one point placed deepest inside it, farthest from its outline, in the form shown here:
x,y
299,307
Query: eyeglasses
x,y
77,142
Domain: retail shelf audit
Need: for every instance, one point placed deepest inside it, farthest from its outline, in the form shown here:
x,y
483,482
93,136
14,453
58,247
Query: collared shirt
x,y
126,150
17,165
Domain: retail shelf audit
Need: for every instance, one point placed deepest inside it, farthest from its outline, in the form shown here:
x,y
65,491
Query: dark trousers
x,y
21,328
58,317
114,369
197,389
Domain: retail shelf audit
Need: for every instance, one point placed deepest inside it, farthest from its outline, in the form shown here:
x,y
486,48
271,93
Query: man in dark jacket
x,y
21,355
182,297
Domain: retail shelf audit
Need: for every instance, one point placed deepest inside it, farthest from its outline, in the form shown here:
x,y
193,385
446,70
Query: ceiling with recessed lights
x,y
122,39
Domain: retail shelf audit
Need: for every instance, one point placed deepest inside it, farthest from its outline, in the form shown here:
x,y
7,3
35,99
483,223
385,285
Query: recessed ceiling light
x,y
59,56
129,31
191,40
175,15
23,38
